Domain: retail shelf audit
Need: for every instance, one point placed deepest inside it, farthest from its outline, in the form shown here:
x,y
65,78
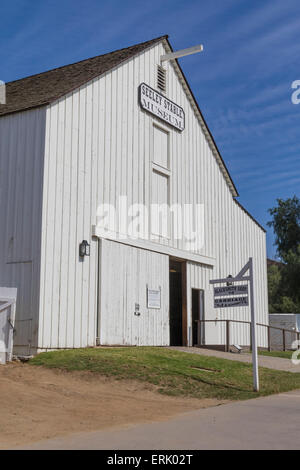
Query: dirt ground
x,y
39,403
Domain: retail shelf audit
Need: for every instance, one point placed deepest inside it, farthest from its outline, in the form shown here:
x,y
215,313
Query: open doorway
x,y
178,311
198,314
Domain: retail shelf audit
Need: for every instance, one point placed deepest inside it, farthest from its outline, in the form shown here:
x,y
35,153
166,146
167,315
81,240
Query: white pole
x,y
253,330
181,53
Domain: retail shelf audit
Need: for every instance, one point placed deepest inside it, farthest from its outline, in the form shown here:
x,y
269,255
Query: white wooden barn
x,y
72,139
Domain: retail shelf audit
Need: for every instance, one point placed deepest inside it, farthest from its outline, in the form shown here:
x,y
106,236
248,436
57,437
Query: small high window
x,y
161,78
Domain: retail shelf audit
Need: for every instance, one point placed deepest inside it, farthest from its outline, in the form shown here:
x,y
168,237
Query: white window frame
x,y
164,171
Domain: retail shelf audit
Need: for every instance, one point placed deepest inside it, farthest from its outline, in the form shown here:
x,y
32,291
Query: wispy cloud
x,y
241,80
283,184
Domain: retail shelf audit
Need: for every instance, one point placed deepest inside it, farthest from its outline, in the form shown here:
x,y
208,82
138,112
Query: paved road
x,y
270,362
263,423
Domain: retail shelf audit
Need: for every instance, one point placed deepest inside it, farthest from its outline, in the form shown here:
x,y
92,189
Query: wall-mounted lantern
x,y
84,249
229,283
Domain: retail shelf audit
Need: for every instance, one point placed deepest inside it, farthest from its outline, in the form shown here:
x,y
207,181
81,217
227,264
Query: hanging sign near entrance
x,y
241,302
163,108
231,290
231,302
153,298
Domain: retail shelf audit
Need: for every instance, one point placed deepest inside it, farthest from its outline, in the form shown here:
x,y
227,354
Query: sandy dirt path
x,y
39,403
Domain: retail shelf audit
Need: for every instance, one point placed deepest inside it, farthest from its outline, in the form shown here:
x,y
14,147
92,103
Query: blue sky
x,y
242,80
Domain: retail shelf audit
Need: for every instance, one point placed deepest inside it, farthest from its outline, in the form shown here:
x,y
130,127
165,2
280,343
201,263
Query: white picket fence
x,y
8,298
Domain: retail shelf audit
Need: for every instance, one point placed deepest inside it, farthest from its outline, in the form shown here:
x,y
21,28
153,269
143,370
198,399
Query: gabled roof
x,y
203,123
249,215
46,87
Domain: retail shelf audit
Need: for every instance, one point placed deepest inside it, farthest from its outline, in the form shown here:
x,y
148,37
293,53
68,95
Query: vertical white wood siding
x,y
99,146
125,273
22,138
246,239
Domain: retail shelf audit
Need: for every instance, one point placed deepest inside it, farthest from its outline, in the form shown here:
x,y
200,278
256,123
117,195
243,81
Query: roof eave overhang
x,y
191,97
204,126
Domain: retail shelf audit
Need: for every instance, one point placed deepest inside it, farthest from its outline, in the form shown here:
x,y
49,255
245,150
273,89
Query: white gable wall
x,y
99,145
125,273
244,239
22,139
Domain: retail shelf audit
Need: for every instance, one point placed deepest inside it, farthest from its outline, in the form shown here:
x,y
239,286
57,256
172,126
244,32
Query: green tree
x,y
274,281
286,225
291,273
284,279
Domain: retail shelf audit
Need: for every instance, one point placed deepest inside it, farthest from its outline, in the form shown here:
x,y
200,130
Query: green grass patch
x,y
282,354
173,372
